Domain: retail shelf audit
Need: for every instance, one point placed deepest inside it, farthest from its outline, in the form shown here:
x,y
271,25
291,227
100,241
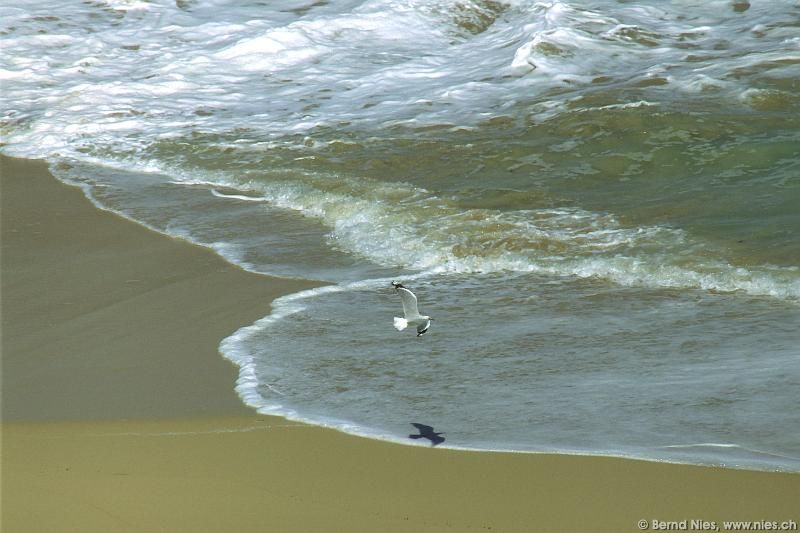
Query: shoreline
x,y
103,428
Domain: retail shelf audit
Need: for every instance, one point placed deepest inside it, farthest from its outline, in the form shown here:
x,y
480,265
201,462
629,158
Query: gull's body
x,y
411,316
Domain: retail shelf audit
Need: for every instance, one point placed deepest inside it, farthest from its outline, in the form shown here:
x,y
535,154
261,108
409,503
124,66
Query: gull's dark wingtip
x,y
397,285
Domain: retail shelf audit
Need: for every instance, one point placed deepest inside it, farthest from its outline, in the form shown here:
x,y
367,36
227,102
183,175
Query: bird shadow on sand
x,y
427,432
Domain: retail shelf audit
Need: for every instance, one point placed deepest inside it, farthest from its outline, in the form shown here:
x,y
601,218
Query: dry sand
x,y
104,430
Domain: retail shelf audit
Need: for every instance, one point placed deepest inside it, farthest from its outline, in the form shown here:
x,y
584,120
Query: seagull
x,y
410,312
427,432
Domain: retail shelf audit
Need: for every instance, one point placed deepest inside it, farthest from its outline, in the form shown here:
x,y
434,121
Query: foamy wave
x,y
398,225
122,66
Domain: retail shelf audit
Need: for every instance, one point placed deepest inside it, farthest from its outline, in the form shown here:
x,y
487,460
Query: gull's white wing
x,y
409,302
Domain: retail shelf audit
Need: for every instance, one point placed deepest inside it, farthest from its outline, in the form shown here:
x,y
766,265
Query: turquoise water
x,y
598,202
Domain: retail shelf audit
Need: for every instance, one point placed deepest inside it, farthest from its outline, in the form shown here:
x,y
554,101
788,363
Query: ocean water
x,y
597,201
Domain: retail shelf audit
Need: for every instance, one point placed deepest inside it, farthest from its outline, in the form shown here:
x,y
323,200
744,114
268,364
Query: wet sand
x,y
120,415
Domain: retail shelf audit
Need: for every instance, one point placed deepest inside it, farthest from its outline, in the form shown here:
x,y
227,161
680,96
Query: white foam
x,y
127,5
237,196
277,49
375,58
128,65
26,75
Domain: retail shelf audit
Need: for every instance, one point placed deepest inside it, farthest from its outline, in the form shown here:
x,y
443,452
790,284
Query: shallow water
x,y
597,201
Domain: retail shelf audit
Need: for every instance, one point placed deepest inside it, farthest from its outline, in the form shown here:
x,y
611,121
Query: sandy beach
x,y
104,430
